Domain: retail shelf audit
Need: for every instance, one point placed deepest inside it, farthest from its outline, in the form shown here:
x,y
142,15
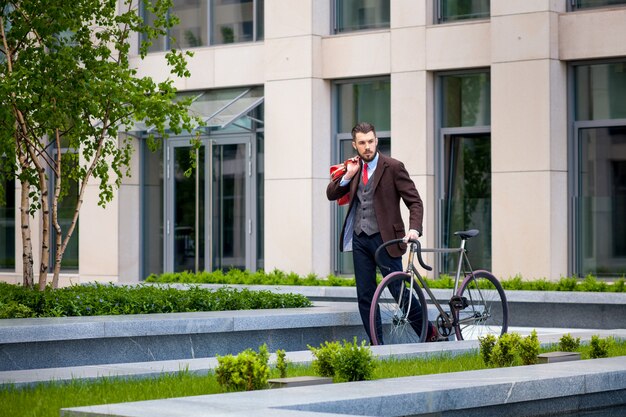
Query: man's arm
x,y
411,198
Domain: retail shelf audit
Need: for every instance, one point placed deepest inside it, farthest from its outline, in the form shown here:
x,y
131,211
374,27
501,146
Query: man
x,y
376,184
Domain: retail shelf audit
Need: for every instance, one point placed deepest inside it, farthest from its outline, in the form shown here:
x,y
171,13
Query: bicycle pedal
x,y
458,303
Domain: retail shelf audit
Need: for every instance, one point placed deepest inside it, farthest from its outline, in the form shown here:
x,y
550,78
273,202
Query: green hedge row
x,y
97,299
234,276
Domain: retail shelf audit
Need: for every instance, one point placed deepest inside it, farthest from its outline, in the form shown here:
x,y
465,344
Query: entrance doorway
x,y
209,215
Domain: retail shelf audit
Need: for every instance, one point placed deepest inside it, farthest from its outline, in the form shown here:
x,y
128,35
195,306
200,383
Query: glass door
x,y
601,202
209,217
466,202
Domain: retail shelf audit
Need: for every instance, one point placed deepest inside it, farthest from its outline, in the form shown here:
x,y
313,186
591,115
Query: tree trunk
x,y
45,230
27,246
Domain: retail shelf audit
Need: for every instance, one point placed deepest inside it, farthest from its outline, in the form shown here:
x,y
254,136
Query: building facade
x,y
510,116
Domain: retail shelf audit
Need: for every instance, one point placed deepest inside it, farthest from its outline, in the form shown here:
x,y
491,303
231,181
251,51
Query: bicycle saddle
x,y
466,234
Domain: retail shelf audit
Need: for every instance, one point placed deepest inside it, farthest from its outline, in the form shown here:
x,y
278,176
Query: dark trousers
x,y
363,250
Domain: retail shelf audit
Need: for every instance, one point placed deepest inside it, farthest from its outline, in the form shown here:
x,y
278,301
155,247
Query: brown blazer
x,y
391,183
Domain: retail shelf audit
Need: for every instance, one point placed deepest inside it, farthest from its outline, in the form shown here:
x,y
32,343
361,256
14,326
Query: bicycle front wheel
x,y
399,311
483,310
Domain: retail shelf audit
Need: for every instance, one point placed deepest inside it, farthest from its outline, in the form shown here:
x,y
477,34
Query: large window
x,y
358,101
599,177
454,10
590,4
211,22
7,225
351,15
465,165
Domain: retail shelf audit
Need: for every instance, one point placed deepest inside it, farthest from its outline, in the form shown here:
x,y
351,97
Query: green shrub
x,y
505,352
281,363
487,343
99,299
529,349
354,362
247,371
599,347
324,358
568,344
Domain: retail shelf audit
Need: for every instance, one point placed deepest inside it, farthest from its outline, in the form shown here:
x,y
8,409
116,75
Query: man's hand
x,y
412,235
351,170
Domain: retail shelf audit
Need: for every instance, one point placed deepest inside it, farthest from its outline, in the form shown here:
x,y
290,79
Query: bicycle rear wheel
x,y
399,311
485,309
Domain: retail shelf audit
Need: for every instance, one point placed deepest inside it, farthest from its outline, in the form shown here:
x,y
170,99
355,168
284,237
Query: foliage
x,y
276,277
66,83
247,371
260,277
282,363
324,358
486,344
599,347
529,349
506,351
568,344
353,362
99,299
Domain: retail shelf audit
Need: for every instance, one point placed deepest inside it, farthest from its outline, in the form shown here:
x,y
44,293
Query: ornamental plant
x,y
324,358
247,371
354,362
568,344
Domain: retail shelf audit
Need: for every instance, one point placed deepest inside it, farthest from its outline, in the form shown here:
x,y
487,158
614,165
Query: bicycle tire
x,y
488,307
395,326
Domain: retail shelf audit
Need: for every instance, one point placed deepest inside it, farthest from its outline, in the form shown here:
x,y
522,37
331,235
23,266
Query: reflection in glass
x,y
7,225
354,15
188,205
260,204
193,27
364,101
453,10
232,21
602,202
467,100
467,198
600,91
152,210
228,217
588,4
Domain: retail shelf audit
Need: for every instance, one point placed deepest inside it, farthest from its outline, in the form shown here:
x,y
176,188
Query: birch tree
x,y
66,84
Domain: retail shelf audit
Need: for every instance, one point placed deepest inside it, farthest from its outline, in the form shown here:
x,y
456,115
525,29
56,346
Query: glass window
x,y
152,209
358,101
600,173
351,15
454,10
589,4
231,21
466,100
600,90
465,143
7,224
66,207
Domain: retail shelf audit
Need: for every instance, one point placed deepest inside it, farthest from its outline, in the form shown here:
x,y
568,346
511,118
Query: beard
x,y
368,157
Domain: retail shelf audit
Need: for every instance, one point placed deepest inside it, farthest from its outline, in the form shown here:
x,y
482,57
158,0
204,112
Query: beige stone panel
x,y
458,45
508,7
239,65
288,225
356,55
407,13
592,34
321,228
520,116
129,244
558,115
408,49
154,65
529,225
411,120
524,37
287,18
288,121
98,236
289,58
202,69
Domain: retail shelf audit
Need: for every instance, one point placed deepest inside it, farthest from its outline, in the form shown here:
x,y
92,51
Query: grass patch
x,y
45,400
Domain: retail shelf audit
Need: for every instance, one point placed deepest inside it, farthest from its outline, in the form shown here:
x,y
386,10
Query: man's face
x,y
366,145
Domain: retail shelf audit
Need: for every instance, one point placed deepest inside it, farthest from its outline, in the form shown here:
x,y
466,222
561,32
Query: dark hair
x,y
362,127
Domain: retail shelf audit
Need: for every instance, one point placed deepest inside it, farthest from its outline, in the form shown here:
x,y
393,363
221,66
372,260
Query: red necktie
x,y
364,174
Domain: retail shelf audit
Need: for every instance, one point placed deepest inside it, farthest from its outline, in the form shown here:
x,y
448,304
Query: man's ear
x,y
354,145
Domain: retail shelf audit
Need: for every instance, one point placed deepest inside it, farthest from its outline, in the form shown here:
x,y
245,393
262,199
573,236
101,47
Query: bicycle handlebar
x,y
416,247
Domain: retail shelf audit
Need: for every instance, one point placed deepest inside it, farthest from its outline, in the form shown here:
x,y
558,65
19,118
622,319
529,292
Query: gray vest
x,y
365,216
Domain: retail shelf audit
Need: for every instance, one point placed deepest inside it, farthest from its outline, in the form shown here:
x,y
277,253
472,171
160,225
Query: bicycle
x,y
478,304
